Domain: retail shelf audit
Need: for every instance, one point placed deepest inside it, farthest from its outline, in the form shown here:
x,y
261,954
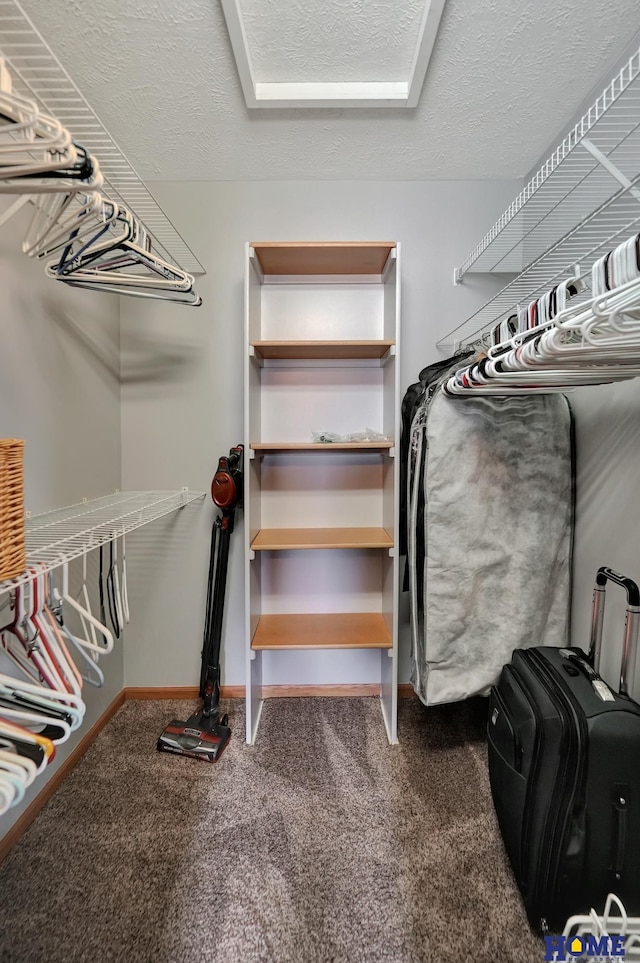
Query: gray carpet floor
x,y
320,844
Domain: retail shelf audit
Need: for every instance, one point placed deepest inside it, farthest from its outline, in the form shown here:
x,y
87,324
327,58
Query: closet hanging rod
x,y
41,77
65,534
554,343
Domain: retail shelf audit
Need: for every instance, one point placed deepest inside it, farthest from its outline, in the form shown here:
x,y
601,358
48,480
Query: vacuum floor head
x,y
199,739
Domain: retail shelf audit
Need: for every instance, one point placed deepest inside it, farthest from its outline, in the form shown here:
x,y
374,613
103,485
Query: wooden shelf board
x,y
320,350
361,257
360,630
278,539
270,446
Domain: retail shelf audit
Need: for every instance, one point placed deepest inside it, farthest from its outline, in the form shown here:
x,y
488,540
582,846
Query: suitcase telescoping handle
x,y
631,625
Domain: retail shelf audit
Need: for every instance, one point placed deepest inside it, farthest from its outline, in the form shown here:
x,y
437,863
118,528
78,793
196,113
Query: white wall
x,y
607,419
60,391
180,412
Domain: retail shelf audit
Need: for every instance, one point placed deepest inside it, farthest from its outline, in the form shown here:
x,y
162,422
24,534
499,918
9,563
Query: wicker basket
x,y
12,543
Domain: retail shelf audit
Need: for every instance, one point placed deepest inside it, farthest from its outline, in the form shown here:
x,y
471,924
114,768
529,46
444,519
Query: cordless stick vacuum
x,y
206,733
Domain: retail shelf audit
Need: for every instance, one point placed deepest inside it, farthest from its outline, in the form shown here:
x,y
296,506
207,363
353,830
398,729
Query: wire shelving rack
x,y
583,201
64,534
38,74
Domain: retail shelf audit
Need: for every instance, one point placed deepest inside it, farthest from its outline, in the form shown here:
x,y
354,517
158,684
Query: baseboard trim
x,y
356,690
164,692
406,691
24,821
231,692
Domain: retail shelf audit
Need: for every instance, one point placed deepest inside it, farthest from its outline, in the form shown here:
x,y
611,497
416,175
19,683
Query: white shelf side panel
x,y
37,73
65,534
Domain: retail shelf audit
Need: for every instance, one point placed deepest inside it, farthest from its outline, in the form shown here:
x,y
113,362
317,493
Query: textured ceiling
x,y
504,79
335,40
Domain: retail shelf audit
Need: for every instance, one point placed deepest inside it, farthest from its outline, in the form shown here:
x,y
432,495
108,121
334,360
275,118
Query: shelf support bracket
x,y
610,166
457,276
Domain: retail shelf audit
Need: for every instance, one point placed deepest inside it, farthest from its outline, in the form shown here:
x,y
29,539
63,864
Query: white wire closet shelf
x,y
65,534
613,222
38,74
583,201
599,155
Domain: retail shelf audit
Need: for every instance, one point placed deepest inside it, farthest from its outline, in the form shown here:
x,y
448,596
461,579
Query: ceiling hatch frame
x,y
322,94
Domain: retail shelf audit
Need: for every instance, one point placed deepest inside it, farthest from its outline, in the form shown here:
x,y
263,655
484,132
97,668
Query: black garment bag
x,y
413,398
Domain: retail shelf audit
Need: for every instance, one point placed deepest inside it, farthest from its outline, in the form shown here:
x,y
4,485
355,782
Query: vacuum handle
x,y
226,487
631,625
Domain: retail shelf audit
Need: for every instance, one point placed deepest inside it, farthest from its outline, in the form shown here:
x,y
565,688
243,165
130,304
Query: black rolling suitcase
x,y
564,765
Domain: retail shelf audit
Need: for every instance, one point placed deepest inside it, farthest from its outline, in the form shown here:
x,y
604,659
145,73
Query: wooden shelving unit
x,y
321,340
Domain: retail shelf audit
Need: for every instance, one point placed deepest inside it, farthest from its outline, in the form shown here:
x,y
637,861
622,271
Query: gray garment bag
x,y
490,525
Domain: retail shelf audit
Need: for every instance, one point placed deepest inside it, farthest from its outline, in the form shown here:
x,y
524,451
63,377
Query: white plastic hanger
x,y
125,589
20,737
29,650
191,298
15,763
61,219
38,720
74,170
85,615
21,643
45,655
12,773
52,639
588,343
92,673
18,770
114,260
29,138
7,795
86,652
116,585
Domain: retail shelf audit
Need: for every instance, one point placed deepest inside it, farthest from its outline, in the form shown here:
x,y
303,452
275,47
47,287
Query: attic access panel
x,y
258,60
